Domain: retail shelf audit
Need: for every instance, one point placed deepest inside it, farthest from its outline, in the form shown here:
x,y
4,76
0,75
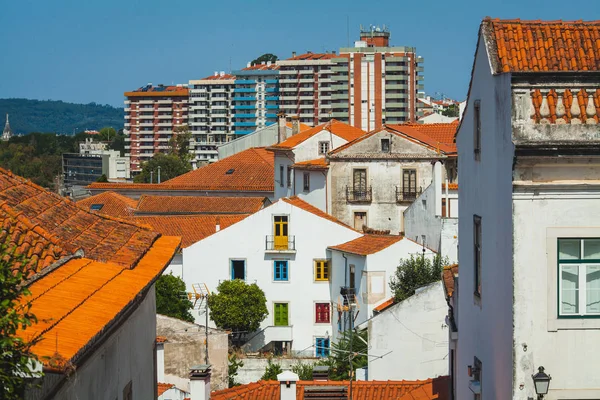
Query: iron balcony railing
x,y
280,243
407,194
359,195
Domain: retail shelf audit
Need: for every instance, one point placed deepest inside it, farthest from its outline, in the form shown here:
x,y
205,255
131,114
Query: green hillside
x,y
57,116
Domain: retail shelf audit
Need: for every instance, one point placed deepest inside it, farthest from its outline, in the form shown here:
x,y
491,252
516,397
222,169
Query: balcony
x,y
407,195
244,82
272,98
280,244
244,90
360,195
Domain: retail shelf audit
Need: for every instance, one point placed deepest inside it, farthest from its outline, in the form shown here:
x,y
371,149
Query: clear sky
x,y
94,50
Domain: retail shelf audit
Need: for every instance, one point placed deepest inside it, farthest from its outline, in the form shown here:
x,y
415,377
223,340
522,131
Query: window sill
x,y
285,251
583,323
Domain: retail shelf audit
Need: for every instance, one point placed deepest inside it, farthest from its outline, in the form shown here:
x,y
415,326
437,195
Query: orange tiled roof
x,y
430,389
296,201
368,244
153,91
448,275
218,77
451,186
76,303
303,127
251,170
319,163
163,387
314,56
531,46
341,129
191,228
261,67
199,205
113,204
101,238
161,339
438,136
389,302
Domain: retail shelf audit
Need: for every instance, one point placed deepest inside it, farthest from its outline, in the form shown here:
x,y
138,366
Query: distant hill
x,y
57,116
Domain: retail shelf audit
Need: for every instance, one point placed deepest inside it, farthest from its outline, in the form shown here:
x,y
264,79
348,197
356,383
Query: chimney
x,y
295,125
287,385
282,127
293,54
217,224
200,382
160,358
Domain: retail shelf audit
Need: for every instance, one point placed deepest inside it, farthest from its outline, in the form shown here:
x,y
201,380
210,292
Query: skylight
x,y
96,207
230,171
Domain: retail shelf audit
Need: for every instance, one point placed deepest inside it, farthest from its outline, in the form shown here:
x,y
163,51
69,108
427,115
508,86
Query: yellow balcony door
x,y
281,232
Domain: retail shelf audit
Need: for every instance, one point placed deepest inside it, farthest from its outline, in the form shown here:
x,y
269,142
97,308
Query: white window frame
x,y
321,144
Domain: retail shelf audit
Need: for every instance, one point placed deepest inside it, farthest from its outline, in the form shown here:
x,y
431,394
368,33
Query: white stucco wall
x,y
127,355
282,189
485,187
176,266
208,261
309,149
317,195
415,335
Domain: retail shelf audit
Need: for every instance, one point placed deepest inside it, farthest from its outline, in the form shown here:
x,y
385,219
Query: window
x,y
360,220
322,311
96,207
289,176
321,270
238,269
359,181
281,175
477,253
280,314
323,147
306,182
579,277
409,184
477,129
322,347
280,270
385,145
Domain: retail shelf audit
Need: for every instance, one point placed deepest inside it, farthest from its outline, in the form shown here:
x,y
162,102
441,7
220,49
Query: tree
x,y
16,358
341,356
171,298
234,365
451,111
170,167
271,371
238,307
102,178
265,57
413,273
107,134
304,371
180,143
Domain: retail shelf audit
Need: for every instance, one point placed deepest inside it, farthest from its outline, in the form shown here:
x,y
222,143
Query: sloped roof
x,y
368,244
163,387
448,275
319,163
314,56
338,128
302,126
440,132
76,303
297,202
159,91
191,228
261,67
249,170
101,238
430,389
110,203
537,46
219,77
389,302
199,205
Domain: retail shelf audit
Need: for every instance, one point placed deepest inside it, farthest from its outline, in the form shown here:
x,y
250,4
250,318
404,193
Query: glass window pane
x,y
569,249
591,249
592,289
569,276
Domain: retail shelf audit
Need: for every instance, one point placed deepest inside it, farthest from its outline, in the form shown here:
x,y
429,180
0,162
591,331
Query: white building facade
x,y
529,227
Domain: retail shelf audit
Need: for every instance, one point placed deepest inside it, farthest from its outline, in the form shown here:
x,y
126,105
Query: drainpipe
x,y
159,174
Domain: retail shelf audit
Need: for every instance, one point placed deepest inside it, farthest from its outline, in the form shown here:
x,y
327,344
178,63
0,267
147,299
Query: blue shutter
x,y
322,345
280,270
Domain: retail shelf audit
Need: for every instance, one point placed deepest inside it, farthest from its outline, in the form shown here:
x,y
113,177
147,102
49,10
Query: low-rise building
x,y
93,161
374,178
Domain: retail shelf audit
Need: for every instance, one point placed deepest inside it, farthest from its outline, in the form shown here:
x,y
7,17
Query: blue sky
x,y
84,51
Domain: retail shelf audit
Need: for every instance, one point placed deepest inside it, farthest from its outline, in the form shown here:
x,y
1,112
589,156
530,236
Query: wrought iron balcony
x,y
361,195
407,194
280,243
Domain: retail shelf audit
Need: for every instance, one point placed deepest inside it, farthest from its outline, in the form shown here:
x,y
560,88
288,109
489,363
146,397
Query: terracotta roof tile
x,y
101,238
341,129
199,205
430,389
163,387
303,127
440,132
535,46
261,67
161,339
389,302
296,201
110,203
368,244
448,275
191,228
451,186
159,91
319,163
219,77
314,56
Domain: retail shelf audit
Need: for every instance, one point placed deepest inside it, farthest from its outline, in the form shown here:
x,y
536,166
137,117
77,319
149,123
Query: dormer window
x,y
323,147
385,145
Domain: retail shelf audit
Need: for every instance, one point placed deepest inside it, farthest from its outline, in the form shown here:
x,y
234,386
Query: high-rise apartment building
x,y
210,117
256,97
152,114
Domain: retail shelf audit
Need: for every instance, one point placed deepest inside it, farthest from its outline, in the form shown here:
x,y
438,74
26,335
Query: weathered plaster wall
x,y
317,195
185,347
